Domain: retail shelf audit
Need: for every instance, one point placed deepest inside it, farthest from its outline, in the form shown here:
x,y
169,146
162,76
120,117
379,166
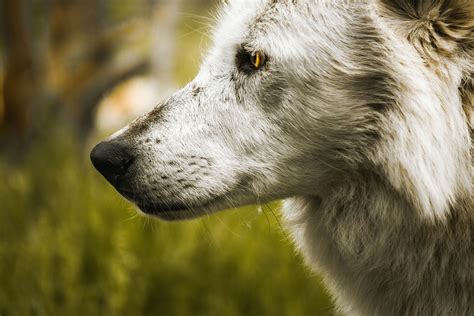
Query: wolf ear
x,y
437,28
440,30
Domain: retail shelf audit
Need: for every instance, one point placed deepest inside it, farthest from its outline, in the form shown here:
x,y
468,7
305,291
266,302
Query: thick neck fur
x,y
398,237
380,257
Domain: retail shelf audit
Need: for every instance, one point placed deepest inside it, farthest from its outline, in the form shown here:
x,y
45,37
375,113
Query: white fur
x,y
369,146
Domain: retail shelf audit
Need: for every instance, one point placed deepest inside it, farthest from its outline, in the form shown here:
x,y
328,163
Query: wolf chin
x,y
359,114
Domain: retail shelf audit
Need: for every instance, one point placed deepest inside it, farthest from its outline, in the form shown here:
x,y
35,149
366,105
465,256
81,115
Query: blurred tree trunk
x,y
19,88
82,65
75,54
60,72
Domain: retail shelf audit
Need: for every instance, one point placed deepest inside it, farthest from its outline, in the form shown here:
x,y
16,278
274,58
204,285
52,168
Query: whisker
x,y
226,227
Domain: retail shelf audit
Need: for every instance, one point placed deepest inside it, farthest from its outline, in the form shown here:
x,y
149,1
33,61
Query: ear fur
x,y
437,28
440,30
467,93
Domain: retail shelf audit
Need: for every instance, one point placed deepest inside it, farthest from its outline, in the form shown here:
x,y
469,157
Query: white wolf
x,y
358,113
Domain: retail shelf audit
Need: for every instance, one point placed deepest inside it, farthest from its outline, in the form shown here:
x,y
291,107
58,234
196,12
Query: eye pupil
x,y
249,62
256,60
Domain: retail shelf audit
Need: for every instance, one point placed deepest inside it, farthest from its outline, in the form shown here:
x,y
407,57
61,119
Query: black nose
x,y
112,160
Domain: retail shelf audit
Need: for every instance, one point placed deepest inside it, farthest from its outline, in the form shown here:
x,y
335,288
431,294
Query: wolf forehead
x,y
281,28
249,19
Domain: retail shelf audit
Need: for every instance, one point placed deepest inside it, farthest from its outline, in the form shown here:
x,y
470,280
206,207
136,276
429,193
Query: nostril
x,y
112,160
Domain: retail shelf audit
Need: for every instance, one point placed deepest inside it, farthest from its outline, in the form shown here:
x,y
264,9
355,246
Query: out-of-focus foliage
x,y
70,245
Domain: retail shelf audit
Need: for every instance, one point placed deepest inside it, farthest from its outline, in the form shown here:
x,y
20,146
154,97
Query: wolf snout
x,y
112,159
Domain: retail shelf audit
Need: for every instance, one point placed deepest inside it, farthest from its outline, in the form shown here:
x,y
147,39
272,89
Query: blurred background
x,y
71,73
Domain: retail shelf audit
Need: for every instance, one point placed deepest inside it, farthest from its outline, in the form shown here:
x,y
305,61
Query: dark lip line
x,y
163,208
157,209
160,208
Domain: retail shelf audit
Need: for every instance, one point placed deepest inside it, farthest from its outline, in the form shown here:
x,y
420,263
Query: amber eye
x,y
258,60
249,62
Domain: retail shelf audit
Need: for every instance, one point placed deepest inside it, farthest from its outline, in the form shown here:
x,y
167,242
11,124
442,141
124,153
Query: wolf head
x,y
295,98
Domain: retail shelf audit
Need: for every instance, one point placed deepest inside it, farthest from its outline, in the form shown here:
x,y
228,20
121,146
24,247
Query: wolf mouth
x,y
171,210
157,208
175,211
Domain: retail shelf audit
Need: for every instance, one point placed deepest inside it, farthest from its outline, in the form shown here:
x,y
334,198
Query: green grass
x,y
69,245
